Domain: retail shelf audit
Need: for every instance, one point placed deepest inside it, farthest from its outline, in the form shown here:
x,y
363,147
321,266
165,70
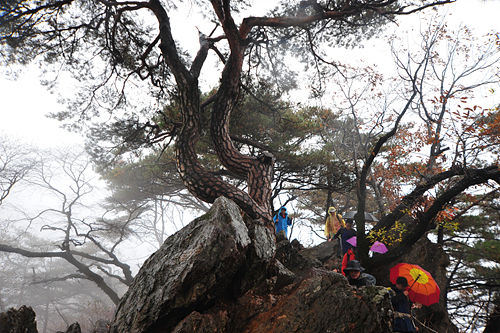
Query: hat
x,y
332,209
353,265
402,281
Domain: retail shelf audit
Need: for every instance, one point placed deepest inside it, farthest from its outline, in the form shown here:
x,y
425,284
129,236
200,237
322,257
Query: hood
x,y
279,211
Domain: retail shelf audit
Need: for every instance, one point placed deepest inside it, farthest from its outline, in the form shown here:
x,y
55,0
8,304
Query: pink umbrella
x,y
378,247
352,241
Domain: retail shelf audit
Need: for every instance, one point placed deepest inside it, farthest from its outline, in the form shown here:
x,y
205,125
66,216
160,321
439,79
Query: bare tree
x,y
75,230
57,303
16,161
442,78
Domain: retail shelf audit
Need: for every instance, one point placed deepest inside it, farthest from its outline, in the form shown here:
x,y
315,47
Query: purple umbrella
x,y
378,247
352,241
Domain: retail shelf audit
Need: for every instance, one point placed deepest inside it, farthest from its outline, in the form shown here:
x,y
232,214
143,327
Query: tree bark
x,y
201,183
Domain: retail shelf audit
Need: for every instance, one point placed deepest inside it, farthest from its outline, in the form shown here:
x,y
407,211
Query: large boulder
x,y
292,259
322,302
326,253
322,252
192,269
73,328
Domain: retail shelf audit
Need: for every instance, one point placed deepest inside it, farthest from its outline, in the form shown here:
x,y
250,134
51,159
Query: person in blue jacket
x,y
282,221
402,307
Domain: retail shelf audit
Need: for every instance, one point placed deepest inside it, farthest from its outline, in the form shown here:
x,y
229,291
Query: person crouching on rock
x,y
356,277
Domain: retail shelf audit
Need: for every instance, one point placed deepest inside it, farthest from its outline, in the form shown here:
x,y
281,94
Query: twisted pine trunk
x,y
204,185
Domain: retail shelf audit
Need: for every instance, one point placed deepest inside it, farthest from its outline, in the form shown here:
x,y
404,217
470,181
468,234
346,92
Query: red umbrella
x,y
423,288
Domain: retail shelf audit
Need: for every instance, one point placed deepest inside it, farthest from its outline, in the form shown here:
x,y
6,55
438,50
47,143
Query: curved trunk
x,y
258,171
197,180
200,182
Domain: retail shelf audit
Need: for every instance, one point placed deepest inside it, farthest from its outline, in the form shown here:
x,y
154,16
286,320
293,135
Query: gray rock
x,y
321,302
202,323
293,260
74,328
322,251
193,268
101,326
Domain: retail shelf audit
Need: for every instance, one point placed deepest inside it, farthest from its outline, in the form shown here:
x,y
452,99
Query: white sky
x,y
24,103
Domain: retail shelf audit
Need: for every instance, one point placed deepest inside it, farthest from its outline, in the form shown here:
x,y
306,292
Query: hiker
x,y
346,233
333,223
348,257
402,306
356,277
282,220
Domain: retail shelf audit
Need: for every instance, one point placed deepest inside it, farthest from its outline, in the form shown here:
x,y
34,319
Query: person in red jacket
x,y
348,257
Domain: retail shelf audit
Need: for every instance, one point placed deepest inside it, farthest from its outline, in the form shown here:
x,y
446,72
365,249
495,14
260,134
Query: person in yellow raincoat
x,y
334,222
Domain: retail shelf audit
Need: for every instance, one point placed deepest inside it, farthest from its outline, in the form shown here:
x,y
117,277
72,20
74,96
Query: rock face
x,y
74,328
292,259
218,274
18,321
324,302
192,269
